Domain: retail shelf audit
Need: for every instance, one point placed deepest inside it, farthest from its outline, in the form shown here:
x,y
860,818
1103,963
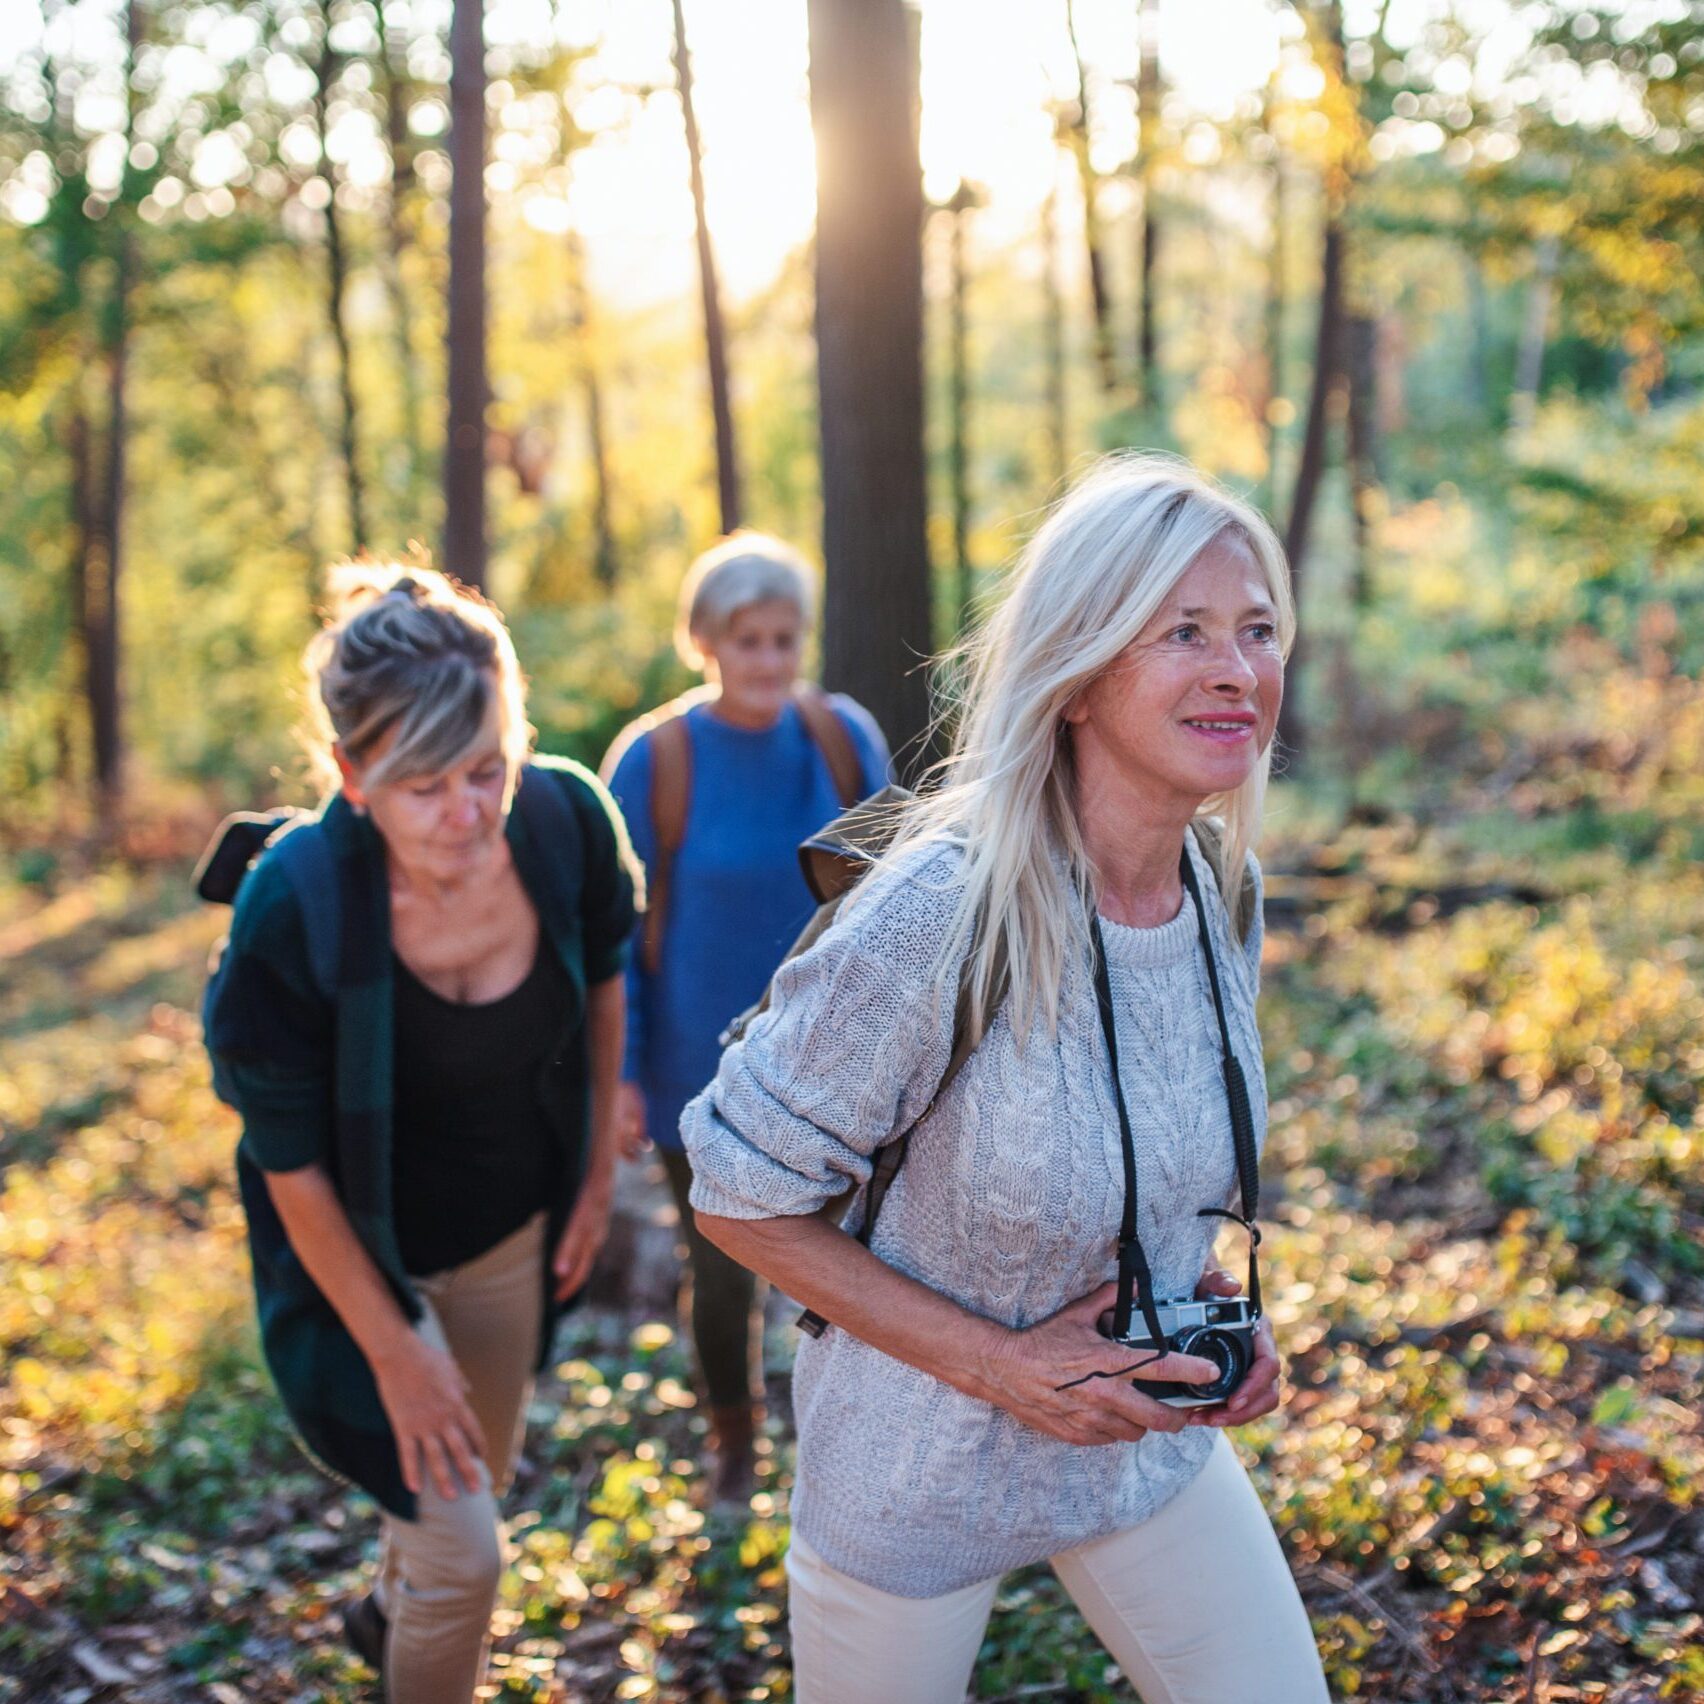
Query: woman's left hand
x,y
1258,1392
582,1237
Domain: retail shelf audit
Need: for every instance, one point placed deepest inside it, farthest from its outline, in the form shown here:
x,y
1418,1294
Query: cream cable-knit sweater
x,y
1009,1202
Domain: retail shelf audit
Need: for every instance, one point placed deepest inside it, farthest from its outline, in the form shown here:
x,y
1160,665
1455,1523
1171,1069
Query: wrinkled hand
x,y
1045,1377
630,1120
1258,1393
425,1400
581,1239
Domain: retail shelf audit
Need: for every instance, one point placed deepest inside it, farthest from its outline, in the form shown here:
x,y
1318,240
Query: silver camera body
x,y
1219,1329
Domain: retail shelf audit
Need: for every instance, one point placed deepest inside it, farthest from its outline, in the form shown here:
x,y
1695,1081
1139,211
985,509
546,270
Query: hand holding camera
x,y
1066,1379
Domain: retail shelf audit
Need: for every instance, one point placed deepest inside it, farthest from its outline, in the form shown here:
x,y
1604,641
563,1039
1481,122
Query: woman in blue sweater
x,y
719,788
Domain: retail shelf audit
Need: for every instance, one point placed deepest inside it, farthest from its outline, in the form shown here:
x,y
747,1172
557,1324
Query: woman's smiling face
x,y
1191,704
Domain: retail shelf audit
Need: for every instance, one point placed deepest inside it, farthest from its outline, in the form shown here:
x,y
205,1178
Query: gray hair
x,y
409,649
746,568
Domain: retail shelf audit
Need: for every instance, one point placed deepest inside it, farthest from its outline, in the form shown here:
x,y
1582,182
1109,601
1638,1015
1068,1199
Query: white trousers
x,y
1196,1606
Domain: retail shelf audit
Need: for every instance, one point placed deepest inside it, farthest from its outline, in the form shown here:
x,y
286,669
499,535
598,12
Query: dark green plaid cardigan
x,y
313,1081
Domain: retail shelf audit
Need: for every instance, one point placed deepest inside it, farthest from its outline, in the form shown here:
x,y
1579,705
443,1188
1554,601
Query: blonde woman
x,y
419,1017
963,1413
720,787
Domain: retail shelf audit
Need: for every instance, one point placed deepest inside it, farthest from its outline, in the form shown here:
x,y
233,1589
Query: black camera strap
x,y
1135,1281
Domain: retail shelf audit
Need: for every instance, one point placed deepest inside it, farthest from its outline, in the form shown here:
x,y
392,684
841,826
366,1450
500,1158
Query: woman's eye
x,y
1263,633
428,791
1188,631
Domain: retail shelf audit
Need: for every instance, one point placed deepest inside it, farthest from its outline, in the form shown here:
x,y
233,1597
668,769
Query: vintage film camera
x,y
1219,1329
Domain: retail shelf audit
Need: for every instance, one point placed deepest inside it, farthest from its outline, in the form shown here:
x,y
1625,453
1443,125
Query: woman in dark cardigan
x,y
428,1140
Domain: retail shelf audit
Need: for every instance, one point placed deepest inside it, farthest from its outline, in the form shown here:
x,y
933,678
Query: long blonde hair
x,y
1092,577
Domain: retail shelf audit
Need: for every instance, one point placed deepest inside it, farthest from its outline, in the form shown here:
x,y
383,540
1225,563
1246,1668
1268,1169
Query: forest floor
x,y
1485,1034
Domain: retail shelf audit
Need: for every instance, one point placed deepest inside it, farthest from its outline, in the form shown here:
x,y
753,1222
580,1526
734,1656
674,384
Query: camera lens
x,y
1225,1350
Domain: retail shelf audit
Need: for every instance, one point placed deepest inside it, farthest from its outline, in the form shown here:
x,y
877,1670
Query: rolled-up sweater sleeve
x,y
849,1054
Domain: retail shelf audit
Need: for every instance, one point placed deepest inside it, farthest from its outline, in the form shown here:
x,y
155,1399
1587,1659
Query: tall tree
x,y
102,573
715,334
1147,155
869,327
464,438
1100,298
1535,332
396,89
326,70
604,560
1053,334
1328,357
966,197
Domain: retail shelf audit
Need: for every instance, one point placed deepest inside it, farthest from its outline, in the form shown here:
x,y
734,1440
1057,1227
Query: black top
x,y
474,1154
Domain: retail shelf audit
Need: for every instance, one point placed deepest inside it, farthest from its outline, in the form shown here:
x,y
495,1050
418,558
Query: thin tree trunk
x,y
396,93
1099,295
1535,333
1276,382
1360,380
82,532
605,563
336,271
715,337
1328,343
1148,141
105,563
1058,422
464,439
869,324
959,405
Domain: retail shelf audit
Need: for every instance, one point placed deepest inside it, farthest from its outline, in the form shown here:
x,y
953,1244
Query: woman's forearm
x,y
606,1023
326,1244
834,1275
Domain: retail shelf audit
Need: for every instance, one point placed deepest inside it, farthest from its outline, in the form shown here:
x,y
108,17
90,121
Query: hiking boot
x,y
364,1628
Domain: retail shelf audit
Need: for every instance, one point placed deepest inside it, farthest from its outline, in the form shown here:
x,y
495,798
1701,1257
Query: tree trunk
x,y
1276,380
1328,343
715,337
1058,422
605,563
82,532
396,96
104,563
869,327
464,439
959,407
1148,141
1361,380
1099,296
325,74
1535,332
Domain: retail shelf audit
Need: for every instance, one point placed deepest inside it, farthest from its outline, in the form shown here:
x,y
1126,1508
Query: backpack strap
x,y
1210,837
671,792
304,855
833,739
550,819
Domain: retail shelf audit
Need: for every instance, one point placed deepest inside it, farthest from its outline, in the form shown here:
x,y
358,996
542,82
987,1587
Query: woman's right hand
x,y
630,1119
425,1398
1046,1377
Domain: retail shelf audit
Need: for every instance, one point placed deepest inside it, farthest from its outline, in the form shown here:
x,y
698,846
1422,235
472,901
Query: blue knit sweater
x,y
738,898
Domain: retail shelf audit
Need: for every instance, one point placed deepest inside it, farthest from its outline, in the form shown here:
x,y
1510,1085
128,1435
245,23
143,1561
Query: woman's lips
x,y
1226,730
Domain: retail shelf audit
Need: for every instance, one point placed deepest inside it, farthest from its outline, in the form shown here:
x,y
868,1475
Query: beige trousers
x,y
438,1574
1196,1606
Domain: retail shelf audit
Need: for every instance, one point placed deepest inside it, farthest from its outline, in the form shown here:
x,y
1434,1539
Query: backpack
x,y
297,841
834,861
671,787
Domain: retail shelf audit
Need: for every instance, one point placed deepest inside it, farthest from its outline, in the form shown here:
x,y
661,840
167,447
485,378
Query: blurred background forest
x,y
559,291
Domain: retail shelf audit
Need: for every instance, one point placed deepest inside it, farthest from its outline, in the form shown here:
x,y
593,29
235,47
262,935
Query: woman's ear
x,y
351,780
